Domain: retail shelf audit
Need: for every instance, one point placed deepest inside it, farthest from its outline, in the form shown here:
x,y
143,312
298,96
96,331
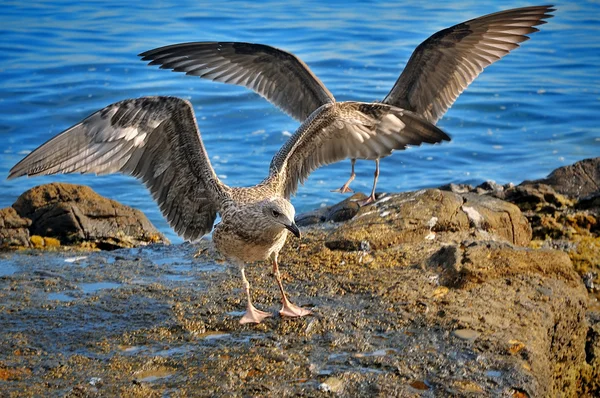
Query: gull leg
x,y
252,315
346,187
288,308
371,198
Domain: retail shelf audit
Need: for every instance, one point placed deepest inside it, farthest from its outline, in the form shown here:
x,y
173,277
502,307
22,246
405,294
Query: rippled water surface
x,y
531,112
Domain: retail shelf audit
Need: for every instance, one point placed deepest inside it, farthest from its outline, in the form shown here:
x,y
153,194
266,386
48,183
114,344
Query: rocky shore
x,y
456,291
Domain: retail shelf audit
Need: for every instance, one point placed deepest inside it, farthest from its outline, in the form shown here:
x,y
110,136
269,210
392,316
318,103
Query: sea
x,y
535,110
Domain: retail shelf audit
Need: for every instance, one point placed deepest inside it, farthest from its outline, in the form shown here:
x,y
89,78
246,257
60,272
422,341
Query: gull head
x,y
279,214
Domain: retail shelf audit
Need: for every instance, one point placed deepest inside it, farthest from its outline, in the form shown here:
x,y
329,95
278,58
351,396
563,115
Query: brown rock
x,y
74,214
342,211
413,217
498,218
479,262
532,298
435,298
13,229
576,181
592,357
536,196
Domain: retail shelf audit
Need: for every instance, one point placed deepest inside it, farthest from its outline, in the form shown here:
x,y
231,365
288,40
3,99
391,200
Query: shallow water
x,y
526,115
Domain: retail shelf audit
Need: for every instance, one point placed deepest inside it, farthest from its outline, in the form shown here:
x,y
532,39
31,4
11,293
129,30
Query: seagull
x,y
437,72
157,140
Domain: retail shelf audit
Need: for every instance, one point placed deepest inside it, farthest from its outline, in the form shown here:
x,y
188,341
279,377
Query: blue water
x,y
533,111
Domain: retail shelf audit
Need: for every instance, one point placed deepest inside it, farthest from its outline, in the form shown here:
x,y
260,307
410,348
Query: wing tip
x,y
13,174
19,170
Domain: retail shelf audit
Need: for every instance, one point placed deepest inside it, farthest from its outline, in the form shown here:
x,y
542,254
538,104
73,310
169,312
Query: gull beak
x,y
293,228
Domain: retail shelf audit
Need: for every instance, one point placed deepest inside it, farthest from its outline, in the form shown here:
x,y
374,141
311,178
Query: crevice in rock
x,y
79,223
458,208
591,179
591,340
512,227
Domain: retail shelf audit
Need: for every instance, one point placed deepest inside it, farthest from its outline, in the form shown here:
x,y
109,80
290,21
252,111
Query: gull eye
x,y
276,213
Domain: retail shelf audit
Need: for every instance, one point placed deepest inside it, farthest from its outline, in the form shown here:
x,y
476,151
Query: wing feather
x,y
449,60
154,139
347,130
278,76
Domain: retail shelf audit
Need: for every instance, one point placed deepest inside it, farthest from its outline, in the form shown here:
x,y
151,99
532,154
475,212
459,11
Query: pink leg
x,y
252,315
288,308
346,187
371,198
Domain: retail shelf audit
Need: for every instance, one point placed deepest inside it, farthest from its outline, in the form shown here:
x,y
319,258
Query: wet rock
x,y
591,374
342,211
467,264
332,384
591,202
588,281
413,217
466,334
568,224
311,217
457,188
578,180
75,214
486,188
537,197
345,210
14,231
491,187
438,293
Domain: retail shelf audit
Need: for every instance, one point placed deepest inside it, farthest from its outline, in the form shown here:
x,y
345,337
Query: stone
x,y
342,211
457,188
74,214
466,334
431,292
14,232
578,180
411,217
537,196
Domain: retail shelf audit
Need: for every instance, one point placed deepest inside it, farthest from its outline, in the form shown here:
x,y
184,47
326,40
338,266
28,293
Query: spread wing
x,y
347,130
444,65
154,139
280,77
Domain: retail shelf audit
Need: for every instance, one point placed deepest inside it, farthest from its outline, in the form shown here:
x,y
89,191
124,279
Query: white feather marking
x,y
139,140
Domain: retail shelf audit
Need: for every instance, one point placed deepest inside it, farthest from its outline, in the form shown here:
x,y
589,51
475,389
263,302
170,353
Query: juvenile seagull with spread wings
x,y
439,69
156,140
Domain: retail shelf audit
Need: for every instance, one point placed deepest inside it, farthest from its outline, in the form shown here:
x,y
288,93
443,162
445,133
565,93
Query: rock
x,y
75,214
339,212
536,196
478,262
332,384
568,224
432,293
14,231
413,217
466,334
311,217
591,202
575,181
457,188
490,187
591,374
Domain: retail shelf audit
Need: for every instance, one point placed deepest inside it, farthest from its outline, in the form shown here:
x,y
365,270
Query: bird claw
x,y
293,310
253,315
343,189
369,200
